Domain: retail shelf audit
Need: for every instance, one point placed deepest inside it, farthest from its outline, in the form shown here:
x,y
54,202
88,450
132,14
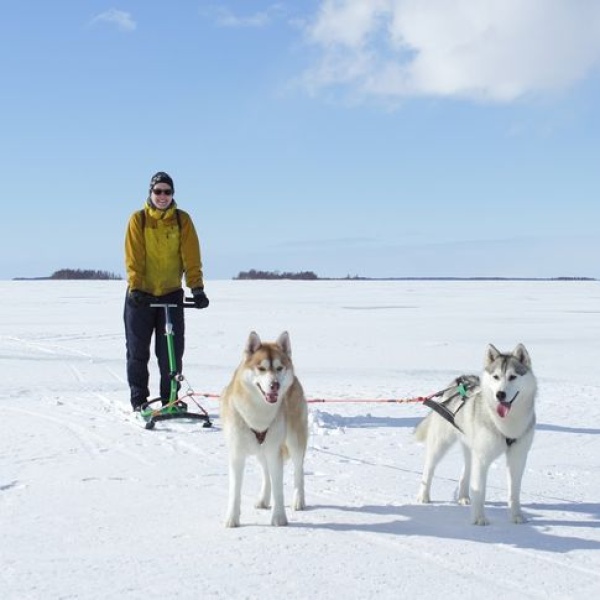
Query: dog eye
x,y
497,377
262,369
279,369
512,377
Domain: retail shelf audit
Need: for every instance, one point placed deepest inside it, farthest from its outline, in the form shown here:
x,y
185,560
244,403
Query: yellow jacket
x,y
158,251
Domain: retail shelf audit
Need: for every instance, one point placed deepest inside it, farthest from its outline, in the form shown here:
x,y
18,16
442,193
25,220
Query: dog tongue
x,y
502,409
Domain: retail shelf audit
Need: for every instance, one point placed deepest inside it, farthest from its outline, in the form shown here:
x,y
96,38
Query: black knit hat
x,y
161,177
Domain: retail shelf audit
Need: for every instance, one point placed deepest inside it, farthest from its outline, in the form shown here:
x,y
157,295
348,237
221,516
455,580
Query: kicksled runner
x,y
157,410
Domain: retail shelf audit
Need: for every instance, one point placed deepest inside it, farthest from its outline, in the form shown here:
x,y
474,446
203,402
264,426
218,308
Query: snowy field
x,y
92,506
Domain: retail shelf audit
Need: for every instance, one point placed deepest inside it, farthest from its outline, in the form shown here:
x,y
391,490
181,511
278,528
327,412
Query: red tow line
x,y
369,400
414,400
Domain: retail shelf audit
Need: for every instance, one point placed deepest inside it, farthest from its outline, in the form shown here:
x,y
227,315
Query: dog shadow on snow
x,y
451,521
563,429
334,420
327,420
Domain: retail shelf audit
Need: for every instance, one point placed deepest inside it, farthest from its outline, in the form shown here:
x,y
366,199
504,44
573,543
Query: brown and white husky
x,y
264,412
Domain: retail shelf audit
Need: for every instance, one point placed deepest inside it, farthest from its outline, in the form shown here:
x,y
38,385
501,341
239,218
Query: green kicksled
x,y
157,409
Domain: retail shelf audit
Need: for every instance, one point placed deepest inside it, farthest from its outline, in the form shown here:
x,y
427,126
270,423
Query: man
x,y
161,246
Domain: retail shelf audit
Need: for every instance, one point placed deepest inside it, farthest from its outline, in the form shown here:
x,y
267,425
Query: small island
x,y
74,274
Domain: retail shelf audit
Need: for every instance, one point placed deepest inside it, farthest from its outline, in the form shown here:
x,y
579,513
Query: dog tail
x,y
422,428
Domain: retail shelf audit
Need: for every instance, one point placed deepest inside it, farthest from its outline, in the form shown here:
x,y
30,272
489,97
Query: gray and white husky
x,y
495,415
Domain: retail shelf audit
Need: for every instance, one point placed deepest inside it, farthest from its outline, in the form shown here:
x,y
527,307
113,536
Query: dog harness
x,y
462,387
260,435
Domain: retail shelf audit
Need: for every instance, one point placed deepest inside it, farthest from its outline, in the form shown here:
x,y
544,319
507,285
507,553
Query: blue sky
x,y
374,138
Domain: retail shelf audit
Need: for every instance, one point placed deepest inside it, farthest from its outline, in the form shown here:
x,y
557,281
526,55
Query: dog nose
x,y
274,386
501,395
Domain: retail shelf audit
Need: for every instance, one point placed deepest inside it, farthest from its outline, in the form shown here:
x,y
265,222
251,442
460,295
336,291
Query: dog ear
x,y
283,341
521,354
491,354
253,343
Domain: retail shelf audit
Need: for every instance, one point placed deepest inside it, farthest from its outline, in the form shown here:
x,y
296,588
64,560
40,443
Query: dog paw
x,y
518,519
262,504
279,520
480,521
464,501
232,522
299,505
423,498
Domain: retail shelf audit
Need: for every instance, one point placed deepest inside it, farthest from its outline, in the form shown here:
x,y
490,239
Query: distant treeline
x,y
64,274
255,274
83,274
312,276
357,278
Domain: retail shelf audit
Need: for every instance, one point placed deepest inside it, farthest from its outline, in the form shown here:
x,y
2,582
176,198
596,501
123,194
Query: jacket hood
x,y
158,214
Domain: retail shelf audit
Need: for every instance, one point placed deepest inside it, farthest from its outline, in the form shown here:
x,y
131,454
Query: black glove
x,y
200,299
139,298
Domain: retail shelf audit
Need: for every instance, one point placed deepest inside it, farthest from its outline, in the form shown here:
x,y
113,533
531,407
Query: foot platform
x,y
170,411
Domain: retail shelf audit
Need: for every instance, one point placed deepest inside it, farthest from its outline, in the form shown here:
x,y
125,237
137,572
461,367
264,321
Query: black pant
x,y
140,323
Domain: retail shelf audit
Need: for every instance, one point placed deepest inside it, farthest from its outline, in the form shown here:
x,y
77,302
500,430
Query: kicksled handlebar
x,y
188,302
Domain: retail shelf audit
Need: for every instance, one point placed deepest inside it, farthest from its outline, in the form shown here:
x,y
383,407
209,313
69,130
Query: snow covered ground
x,y
92,506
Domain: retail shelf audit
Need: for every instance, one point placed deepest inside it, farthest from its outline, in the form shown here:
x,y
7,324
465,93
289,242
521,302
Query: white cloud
x,y
224,17
122,20
493,50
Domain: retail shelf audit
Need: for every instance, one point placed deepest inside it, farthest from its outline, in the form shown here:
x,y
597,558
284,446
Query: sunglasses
x,y
160,191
